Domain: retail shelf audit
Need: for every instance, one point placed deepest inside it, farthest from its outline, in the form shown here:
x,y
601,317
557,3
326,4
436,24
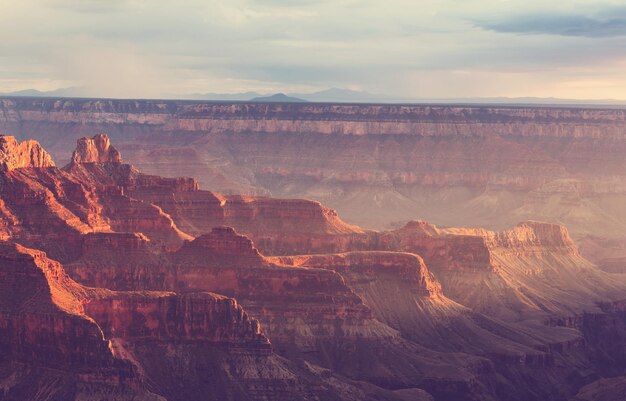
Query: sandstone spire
x,y
96,150
14,154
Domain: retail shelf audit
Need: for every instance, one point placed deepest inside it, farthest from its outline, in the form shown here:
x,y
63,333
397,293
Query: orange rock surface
x,y
14,154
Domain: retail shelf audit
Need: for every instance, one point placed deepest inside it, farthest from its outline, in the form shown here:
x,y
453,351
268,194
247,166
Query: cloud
x,y
561,24
141,48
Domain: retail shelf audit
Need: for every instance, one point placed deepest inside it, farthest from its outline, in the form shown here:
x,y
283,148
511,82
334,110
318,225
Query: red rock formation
x,y
403,294
278,226
22,155
70,341
45,331
50,208
296,227
96,150
308,313
39,300
533,268
167,316
498,260
224,242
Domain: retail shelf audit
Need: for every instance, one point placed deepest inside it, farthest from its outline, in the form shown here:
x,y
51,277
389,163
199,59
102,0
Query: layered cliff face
x,y
67,341
532,269
402,293
49,344
36,290
492,272
277,226
308,313
49,208
43,206
375,164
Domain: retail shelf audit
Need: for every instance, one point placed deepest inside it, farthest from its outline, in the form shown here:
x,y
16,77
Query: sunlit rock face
x,y
95,150
14,154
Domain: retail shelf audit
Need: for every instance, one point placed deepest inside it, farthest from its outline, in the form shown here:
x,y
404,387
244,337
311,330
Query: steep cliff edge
x,y
307,313
50,208
534,268
68,342
37,289
48,344
277,226
402,293
502,273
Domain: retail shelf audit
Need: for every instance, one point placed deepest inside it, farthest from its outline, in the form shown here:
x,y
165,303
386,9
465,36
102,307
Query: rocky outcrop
x,y
26,154
96,150
466,261
534,268
278,226
308,313
402,293
50,208
224,242
405,267
72,342
46,339
39,300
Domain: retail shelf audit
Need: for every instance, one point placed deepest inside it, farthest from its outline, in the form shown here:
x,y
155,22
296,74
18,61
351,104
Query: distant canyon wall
x,y
378,165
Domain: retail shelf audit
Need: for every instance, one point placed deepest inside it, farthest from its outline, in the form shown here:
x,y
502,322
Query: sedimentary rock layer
x,y
67,341
376,164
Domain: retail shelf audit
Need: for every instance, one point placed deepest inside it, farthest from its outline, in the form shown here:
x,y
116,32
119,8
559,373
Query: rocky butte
x,y
121,285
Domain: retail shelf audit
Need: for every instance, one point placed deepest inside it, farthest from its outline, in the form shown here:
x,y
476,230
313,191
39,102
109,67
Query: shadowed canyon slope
x,y
180,293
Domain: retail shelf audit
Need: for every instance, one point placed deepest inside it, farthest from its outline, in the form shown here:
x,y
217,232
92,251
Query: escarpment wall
x,y
350,119
377,165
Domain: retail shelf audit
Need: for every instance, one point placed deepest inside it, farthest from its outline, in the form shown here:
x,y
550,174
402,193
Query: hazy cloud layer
x,y
429,48
562,24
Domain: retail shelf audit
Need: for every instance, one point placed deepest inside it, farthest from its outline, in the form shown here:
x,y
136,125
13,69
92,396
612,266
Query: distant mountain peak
x,y
278,98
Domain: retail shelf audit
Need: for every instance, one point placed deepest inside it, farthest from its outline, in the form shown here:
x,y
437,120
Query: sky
x,y
416,49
